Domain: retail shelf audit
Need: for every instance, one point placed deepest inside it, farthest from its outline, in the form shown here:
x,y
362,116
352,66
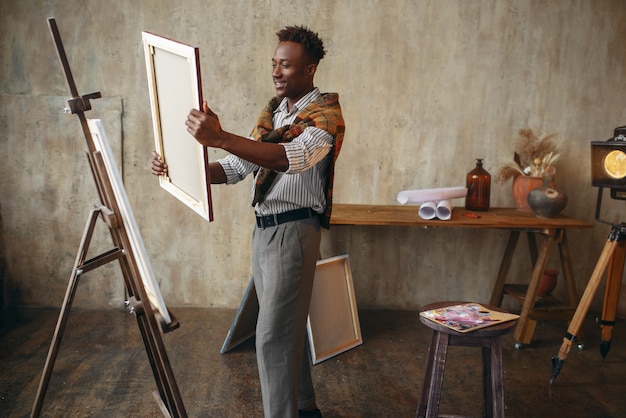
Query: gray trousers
x,y
283,266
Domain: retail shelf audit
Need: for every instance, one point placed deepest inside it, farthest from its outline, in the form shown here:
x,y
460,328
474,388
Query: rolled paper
x,y
431,195
428,210
444,210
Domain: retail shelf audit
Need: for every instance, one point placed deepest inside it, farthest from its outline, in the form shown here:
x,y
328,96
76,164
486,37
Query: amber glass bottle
x,y
478,188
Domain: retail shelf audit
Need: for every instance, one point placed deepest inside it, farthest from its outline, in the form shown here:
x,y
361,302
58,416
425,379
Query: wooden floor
x,y
102,369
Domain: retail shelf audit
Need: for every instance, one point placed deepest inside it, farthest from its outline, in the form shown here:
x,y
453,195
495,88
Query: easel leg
x,y
169,399
64,314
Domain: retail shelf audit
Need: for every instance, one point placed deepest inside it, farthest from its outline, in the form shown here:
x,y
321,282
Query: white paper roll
x,y
444,210
428,210
431,195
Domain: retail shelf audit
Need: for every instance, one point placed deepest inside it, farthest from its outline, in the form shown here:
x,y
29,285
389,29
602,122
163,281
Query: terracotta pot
x,y
547,282
522,185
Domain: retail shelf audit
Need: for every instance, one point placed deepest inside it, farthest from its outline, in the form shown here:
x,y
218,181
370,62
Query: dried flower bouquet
x,y
533,156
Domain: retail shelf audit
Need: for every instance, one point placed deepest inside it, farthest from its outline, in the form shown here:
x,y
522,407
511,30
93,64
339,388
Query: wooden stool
x,y
487,338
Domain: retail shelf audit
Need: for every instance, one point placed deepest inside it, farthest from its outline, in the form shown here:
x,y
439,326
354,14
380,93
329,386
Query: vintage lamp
x,y
608,167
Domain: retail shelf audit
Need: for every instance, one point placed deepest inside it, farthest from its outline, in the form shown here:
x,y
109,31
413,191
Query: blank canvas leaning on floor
x,y
333,324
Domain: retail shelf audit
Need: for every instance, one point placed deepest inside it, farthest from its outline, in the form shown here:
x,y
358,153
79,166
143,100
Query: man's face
x,y
292,73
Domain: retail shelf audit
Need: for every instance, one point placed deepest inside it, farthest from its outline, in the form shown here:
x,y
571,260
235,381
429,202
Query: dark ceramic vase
x,y
546,201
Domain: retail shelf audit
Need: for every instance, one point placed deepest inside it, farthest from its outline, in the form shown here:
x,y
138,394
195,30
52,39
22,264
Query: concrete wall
x,y
426,87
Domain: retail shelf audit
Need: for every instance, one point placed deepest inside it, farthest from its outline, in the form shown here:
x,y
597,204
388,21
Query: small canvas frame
x,y
148,278
175,88
333,324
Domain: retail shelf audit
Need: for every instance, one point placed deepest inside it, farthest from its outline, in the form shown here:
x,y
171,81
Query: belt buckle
x,y
266,221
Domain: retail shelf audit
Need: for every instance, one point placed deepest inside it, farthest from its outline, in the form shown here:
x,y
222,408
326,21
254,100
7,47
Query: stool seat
x,y
488,339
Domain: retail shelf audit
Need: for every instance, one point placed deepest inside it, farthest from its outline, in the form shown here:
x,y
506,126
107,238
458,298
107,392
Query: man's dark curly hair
x,y
311,43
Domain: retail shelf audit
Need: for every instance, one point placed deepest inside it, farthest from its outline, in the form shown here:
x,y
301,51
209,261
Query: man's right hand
x,y
159,168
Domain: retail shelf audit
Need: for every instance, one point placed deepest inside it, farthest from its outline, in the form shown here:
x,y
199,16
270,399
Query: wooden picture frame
x,y
175,88
333,323
148,277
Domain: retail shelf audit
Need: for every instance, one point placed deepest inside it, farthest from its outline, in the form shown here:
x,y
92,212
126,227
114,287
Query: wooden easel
x,y
149,321
611,261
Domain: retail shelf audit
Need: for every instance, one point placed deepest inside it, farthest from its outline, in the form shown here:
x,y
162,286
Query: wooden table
x,y
553,229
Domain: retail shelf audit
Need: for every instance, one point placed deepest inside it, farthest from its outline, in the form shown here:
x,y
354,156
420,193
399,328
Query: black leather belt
x,y
281,218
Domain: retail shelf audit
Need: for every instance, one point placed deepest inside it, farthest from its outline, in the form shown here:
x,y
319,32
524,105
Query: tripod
x,y
612,258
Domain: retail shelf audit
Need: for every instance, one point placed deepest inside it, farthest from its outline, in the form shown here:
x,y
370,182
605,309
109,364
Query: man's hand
x,y
205,126
159,168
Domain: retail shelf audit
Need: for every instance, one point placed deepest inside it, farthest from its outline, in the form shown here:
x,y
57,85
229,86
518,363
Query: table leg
x,y
498,288
529,300
566,265
532,247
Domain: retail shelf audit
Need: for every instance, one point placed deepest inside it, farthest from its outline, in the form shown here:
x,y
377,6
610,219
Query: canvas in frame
x,y
175,88
333,323
148,278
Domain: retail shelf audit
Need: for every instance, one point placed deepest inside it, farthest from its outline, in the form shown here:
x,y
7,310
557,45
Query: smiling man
x,y
292,152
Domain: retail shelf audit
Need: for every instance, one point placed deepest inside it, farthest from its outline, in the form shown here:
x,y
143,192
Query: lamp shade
x,y
608,161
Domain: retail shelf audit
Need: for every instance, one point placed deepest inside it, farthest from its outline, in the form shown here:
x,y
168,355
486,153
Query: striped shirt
x,y
302,185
